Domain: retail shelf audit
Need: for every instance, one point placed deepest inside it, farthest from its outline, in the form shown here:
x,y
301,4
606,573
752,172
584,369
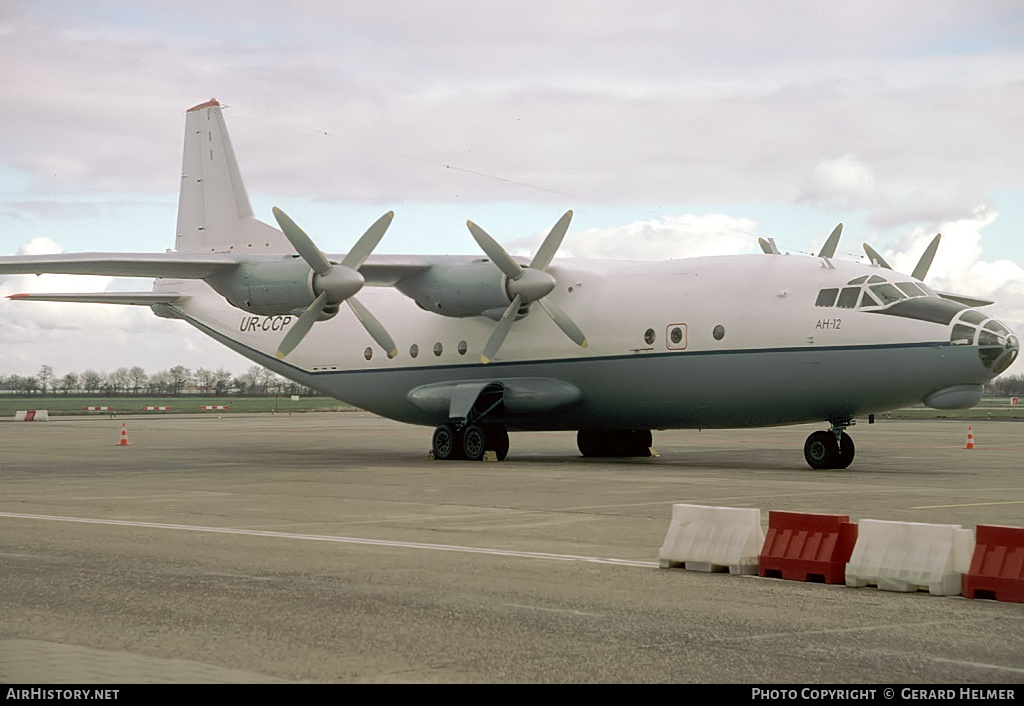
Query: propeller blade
x,y
875,257
551,243
921,270
501,330
373,327
831,243
768,246
368,241
302,243
568,326
494,251
298,331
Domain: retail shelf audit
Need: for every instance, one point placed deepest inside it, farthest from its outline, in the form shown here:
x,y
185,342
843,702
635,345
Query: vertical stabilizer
x,y
214,213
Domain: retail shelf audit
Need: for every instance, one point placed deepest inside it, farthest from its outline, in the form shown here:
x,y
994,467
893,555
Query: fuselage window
x,y
676,337
848,297
368,353
414,350
962,335
887,294
649,336
463,348
438,348
827,297
719,332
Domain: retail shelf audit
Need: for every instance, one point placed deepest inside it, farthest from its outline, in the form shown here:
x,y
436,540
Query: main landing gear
x,y
830,449
453,441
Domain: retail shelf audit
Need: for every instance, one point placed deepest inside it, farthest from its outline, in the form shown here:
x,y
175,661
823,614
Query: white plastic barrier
x,y
31,415
703,538
910,556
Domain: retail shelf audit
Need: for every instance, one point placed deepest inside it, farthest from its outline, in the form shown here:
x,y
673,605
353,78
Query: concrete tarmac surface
x,y
327,548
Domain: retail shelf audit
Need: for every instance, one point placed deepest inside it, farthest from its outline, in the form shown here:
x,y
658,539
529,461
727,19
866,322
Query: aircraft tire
x,y
474,442
477,439
447,443
614,443
821,450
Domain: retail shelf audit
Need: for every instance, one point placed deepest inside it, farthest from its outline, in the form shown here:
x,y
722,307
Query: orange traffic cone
x,y
124,436
970,439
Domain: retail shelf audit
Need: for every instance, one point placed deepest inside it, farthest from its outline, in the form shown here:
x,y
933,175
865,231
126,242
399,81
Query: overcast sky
x,y
672,129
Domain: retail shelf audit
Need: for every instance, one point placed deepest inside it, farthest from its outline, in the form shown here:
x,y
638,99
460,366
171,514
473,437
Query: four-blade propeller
x,y
920,270
526,285
334,284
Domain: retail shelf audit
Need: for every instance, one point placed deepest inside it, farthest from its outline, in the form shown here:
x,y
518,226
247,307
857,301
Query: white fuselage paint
x,y
780,359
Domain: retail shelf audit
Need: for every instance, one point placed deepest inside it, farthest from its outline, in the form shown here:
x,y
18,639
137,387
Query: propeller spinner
x,y
334,284
526,286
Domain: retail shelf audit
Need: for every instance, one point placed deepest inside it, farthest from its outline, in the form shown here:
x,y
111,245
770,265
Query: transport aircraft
x,y
477,347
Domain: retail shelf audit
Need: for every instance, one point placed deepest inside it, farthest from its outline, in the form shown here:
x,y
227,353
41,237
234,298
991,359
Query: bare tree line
x,y
178,380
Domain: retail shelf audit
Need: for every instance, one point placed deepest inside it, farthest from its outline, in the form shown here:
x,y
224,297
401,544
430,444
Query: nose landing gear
x,y
830,449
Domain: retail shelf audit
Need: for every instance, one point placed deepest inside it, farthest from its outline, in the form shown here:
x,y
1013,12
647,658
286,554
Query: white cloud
x,y
911,115
841,184
663,239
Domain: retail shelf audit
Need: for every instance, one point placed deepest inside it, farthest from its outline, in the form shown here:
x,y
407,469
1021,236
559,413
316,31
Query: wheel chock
x,y
807,547
702,538
490,456
997,567
910,556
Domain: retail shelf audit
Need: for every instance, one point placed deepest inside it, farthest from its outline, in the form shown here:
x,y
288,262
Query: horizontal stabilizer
x,y
379,271
176,265
132,298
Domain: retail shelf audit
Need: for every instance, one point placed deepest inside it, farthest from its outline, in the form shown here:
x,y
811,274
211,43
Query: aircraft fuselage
x,y
708,342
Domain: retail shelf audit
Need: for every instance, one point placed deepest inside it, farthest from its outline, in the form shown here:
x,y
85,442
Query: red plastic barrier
x,y
997,566
805,547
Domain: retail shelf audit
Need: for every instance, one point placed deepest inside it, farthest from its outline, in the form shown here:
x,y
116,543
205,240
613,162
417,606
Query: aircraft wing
x,y
133,298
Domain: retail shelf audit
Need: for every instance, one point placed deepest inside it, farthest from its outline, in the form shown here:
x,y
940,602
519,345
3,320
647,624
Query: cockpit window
x,y
874,291
962,335
827,297
973,317
848,297
887,294
868,300
911,289
994,325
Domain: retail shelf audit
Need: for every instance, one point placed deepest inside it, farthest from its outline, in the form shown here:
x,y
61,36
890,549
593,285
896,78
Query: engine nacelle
x,y
269,288
459,290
